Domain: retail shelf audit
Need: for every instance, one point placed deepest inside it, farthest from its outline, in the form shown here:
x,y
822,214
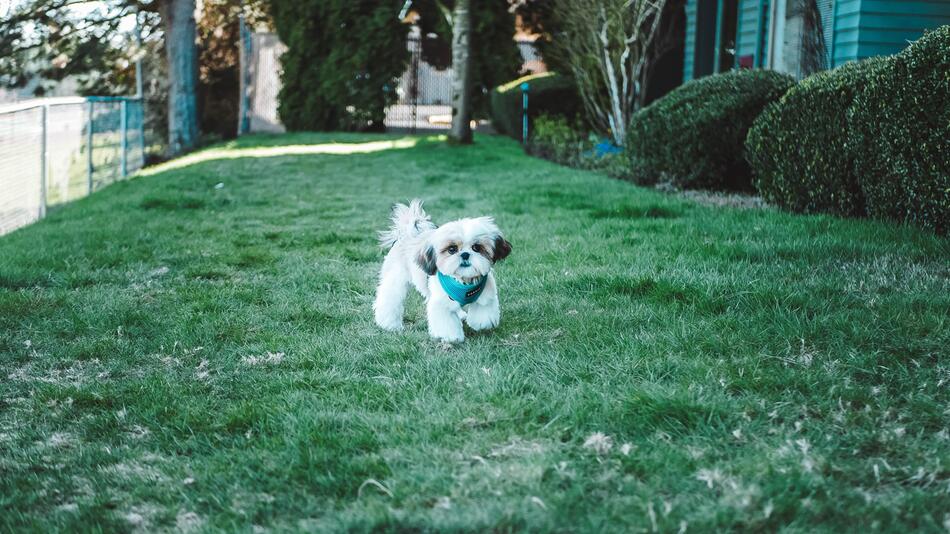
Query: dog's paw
x,y
390,326
448,338
482,323
482,319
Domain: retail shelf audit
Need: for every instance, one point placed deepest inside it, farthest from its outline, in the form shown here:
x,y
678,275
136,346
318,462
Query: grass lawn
x,y
179,355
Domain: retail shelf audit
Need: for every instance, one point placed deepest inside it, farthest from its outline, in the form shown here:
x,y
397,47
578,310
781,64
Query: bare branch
x,y
609,48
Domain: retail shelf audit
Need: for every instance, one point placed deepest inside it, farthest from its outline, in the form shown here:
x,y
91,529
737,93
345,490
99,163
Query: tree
x,y
608,50
180,34
219,42
462,65
343,62
639,35
494,55
49,38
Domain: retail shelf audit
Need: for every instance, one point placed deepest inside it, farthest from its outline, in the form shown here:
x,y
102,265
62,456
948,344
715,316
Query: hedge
x,y
549,93
695,135
797,148
900,130
331,80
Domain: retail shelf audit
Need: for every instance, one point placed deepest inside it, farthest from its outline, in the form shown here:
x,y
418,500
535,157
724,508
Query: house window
x,y
728,21
715,36
705,38
817,36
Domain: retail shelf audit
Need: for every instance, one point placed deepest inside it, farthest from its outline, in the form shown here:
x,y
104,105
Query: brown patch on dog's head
x,y
426,259
493,247
502,248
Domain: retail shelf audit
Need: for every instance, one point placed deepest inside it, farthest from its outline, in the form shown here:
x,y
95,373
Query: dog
x,y
449,265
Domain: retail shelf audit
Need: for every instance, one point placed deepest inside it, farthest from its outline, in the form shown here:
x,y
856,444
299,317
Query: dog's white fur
x,y
418,248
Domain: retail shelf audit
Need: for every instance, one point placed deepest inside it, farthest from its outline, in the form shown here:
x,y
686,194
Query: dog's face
x,y
464,249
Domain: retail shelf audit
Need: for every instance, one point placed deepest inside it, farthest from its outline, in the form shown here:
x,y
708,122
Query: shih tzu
x,y
450,266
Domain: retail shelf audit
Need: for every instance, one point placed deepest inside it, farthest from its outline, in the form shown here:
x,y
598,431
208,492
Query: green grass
x,y
175,355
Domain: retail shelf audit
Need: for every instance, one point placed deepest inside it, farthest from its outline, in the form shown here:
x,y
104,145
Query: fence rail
x,y
57,150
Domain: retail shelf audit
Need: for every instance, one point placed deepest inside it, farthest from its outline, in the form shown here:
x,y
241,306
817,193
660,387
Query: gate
x,y
260,81
424,93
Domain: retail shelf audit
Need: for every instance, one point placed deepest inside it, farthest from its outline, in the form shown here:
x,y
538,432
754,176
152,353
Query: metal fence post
x,y
141,116
89,167
124,129
244,52
44,160
524,112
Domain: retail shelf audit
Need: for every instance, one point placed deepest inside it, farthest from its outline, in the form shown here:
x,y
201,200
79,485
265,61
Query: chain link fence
x,y
424,91
260,82
53,151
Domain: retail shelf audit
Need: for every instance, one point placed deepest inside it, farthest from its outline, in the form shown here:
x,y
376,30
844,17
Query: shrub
x,y
554,138
549,93
331,80
797,146
695,135
558,139
900,126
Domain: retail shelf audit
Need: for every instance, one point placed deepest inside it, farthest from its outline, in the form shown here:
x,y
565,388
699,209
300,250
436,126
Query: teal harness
x,y
462,293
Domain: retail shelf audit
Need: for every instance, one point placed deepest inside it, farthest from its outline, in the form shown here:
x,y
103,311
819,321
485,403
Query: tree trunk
x,y
462,65
180,48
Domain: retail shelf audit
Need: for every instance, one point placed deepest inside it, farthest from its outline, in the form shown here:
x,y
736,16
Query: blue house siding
x,y
847,25
886,27
753,23
854,29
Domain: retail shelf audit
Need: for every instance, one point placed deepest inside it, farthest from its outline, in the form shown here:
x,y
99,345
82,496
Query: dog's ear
x,y
426,259
502,249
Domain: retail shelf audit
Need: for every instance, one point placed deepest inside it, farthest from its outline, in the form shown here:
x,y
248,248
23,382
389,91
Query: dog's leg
x,y
483,316
485,313
444,322
391,293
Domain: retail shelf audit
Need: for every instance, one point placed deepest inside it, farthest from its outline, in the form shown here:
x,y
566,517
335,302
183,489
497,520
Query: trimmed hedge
x,y
331,80
549,94
900,130
797,148
695,135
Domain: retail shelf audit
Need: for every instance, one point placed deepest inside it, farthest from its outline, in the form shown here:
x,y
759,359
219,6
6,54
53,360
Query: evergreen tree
x,y
343,62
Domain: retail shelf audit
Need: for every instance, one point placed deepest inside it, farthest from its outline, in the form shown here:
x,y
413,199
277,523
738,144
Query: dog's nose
x,y
465,255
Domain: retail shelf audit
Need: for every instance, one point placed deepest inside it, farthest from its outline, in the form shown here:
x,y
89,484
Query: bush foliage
x,y
797,147
695,135
900,126
554,138
558,139
342,64
549,94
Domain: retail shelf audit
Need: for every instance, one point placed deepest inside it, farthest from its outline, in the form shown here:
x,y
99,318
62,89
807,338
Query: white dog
x,y
450,266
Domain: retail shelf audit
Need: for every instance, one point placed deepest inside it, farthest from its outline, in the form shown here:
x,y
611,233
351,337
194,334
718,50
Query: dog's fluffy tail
x,y
408,221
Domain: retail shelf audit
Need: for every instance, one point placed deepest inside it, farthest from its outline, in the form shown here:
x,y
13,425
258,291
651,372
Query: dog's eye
x,y
476,248
452,249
